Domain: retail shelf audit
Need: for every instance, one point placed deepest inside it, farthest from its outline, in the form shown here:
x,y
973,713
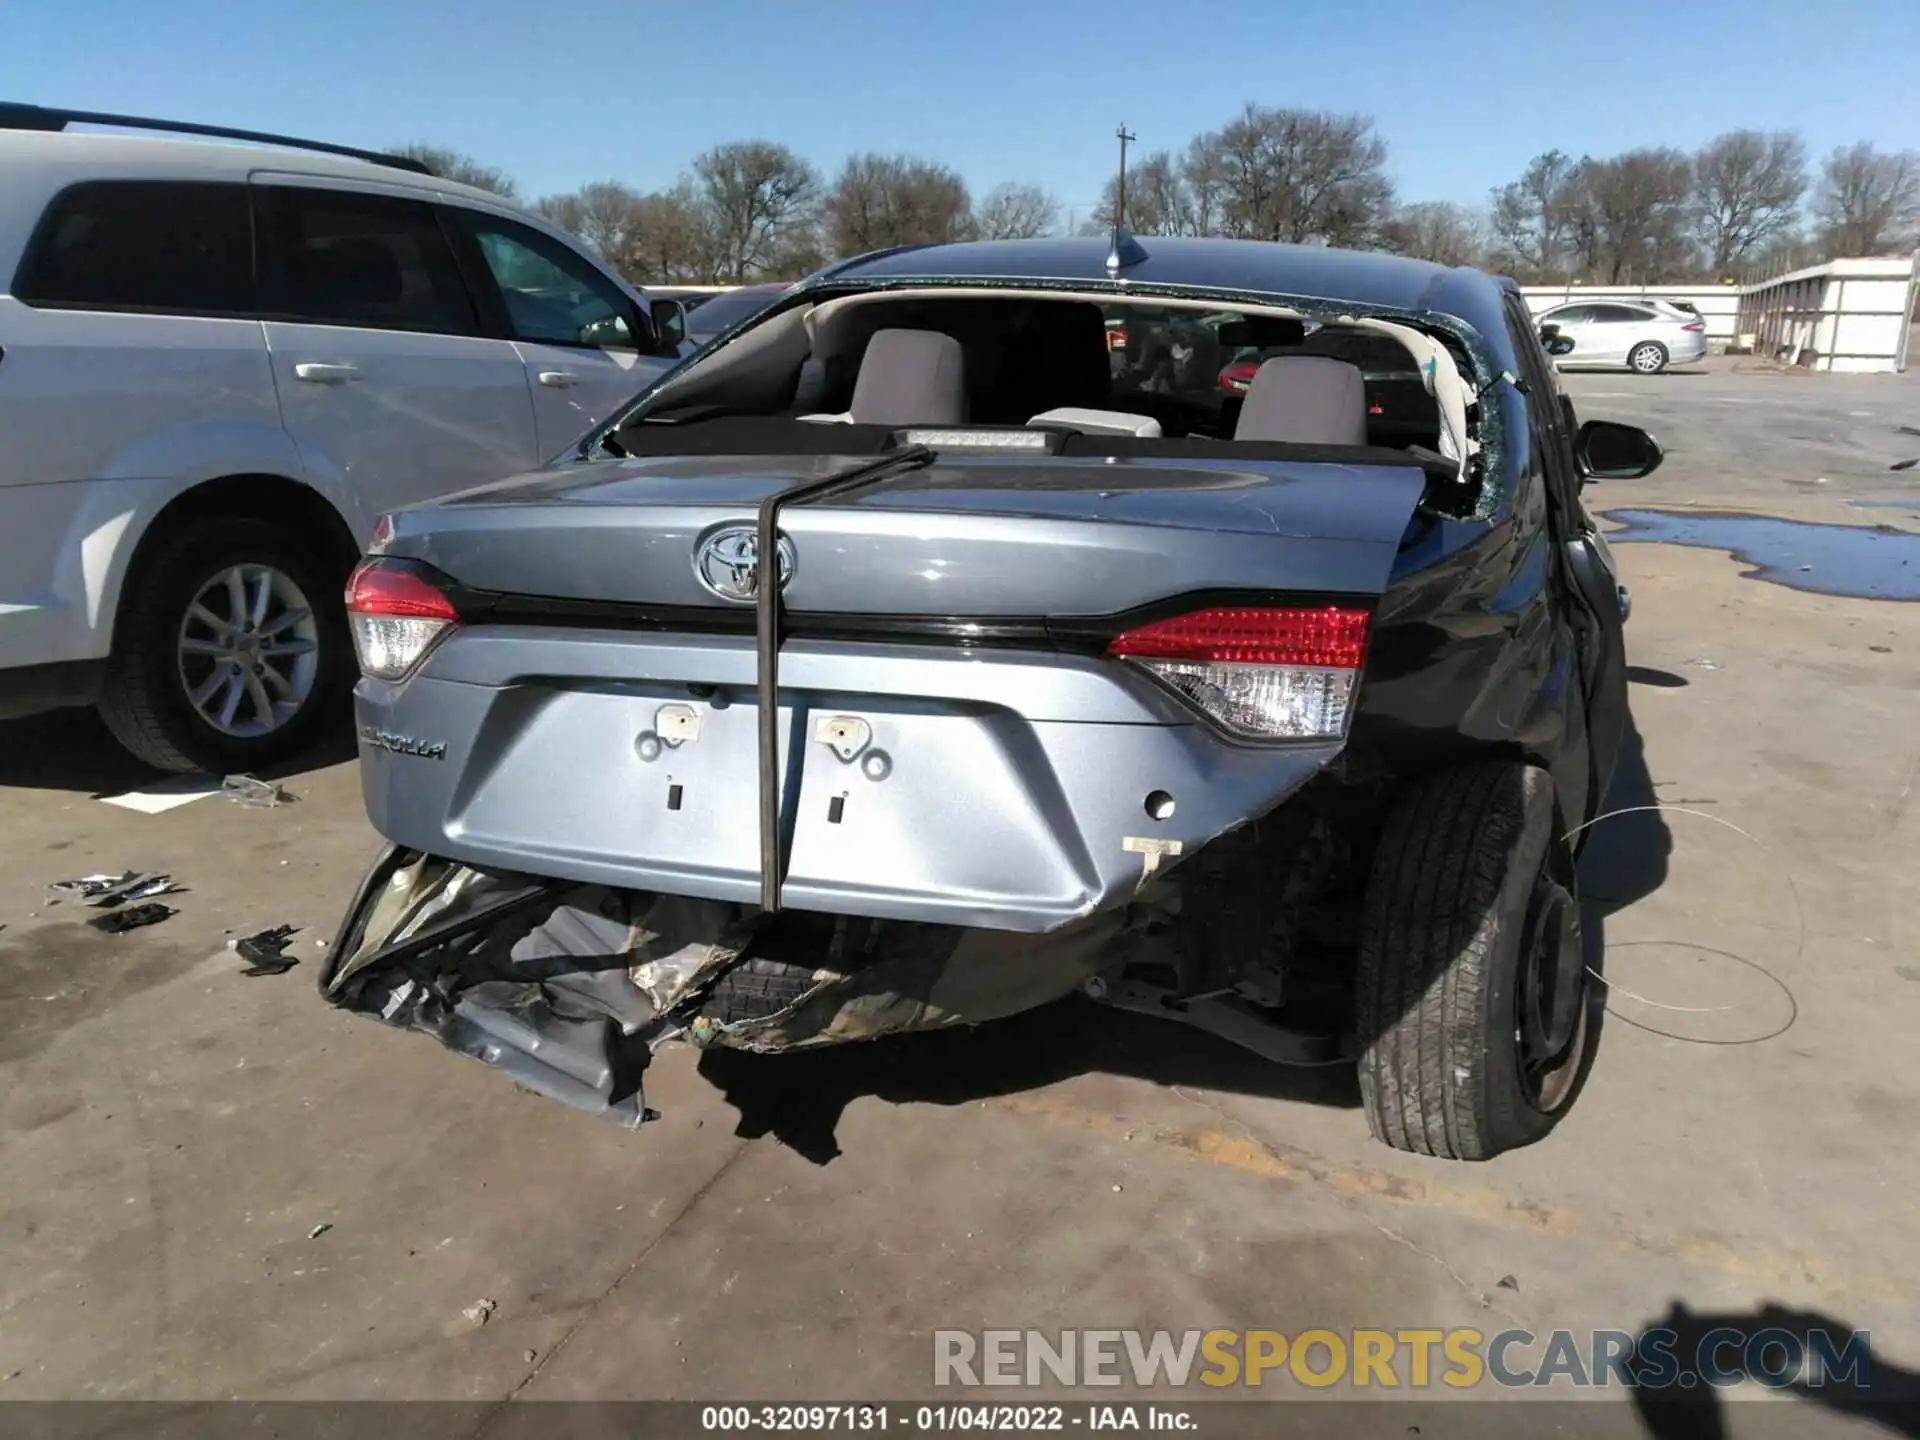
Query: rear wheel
x,y
230,653
1647,358
1473,992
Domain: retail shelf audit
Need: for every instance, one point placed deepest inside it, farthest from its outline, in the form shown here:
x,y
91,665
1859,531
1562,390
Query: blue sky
x,y
559,94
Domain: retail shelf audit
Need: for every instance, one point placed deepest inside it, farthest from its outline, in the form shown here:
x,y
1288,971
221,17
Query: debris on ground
x,y
132,917
266,951
1705,664
1904,464
1506,1282
532,1355
480,1312
256,793
88,886
1881,649
106,891
319,1230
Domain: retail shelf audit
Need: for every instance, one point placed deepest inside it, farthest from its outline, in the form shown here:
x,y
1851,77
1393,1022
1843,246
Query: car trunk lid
x,y
979,536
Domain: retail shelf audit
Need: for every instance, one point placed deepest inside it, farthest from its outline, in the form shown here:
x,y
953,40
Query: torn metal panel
x,y
568,989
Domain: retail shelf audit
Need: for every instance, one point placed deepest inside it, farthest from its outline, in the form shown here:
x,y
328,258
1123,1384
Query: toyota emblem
x,y
727,562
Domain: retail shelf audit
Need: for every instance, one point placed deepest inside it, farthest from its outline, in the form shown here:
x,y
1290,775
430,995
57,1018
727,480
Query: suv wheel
x,y
1647,358
1473,991
231,651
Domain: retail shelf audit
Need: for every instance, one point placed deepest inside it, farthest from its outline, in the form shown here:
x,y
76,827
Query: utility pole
x,y
1123,135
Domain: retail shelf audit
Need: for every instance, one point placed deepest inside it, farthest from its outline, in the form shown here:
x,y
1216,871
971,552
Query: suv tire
x,y
1470,910
145,699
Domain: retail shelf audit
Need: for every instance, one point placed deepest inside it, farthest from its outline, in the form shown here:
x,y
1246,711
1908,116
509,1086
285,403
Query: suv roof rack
x,y
15,116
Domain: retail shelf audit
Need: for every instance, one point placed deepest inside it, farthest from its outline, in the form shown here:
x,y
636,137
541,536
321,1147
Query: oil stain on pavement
x,y
1870,562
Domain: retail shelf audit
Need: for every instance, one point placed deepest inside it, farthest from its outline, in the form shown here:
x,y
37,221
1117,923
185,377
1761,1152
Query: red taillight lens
x,y
1695,325
381,587
1261,673
396,613
1331,637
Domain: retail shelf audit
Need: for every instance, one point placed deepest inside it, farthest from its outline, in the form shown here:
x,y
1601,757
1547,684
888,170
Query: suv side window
x,y
375,262
156,246
551,296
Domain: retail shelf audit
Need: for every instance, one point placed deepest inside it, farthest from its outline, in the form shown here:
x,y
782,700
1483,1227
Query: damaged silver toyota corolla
x,y
1216,631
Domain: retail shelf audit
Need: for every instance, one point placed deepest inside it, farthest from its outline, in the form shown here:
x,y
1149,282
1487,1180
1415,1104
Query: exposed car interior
x,y
1095,373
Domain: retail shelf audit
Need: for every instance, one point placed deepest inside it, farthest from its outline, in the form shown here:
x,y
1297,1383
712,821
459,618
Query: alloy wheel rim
x,y
1646,360
248,651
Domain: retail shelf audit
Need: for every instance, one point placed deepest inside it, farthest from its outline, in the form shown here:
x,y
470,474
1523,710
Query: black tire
x,y
143,698
756,988
1467,861
1645,346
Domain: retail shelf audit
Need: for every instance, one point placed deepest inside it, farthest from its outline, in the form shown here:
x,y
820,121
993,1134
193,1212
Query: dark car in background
x,y
722,311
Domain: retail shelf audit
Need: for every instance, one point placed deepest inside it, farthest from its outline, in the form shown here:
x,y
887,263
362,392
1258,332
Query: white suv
x,y
219,364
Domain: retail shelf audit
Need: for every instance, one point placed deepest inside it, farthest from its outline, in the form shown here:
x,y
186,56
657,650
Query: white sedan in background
x,y
1615,334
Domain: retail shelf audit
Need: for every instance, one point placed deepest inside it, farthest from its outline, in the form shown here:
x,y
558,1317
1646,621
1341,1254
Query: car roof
x,y
1362,277
145,156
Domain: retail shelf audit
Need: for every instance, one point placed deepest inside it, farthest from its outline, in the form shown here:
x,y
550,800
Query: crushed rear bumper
x,y
567,989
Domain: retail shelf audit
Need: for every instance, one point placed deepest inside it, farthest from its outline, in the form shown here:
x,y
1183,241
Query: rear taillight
x,y
1695,325
397,613
1260,673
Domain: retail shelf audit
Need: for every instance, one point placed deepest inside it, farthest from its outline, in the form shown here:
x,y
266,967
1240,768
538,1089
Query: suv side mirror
x,y
670,324
1608,450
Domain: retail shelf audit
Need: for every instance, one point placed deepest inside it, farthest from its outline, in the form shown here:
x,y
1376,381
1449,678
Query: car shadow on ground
x,y
798,1097
72,749
1688,1362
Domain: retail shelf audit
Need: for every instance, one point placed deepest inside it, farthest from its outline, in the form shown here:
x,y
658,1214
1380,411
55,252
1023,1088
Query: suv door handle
x,y
557,379
319,372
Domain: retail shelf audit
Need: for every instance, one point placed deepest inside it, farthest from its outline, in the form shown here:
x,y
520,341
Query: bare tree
x,y
1301,175
1533,219
652,239
1630,216
1158,200
1868,202
1747,187
605,214
675,239
1016,212
464,169
1437,230
882,200
1203,171
757,194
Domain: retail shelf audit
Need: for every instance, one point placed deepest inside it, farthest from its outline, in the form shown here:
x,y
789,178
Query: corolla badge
x,y
727,562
